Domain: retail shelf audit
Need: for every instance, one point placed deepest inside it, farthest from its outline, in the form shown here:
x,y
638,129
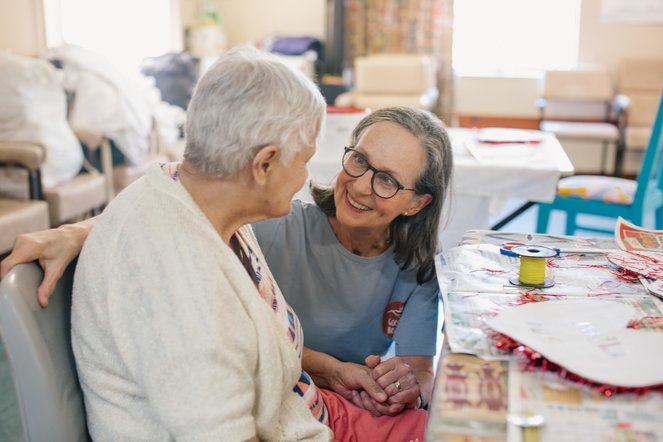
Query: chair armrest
x,y
620,106
30,156
541,104
429,98
621,102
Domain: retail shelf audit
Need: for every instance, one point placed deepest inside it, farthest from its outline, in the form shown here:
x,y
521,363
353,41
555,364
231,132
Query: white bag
x,y
106,101
34,109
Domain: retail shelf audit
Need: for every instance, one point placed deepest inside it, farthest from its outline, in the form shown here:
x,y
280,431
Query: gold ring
x,y
398,386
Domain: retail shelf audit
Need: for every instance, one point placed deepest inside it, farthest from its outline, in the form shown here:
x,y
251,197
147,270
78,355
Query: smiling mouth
x,y
356,205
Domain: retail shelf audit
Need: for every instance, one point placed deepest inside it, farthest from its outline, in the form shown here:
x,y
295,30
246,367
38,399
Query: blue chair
x,y
610,196
37,342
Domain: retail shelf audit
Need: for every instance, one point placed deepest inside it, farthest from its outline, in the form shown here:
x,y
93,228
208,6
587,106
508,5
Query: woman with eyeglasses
x,y
357,266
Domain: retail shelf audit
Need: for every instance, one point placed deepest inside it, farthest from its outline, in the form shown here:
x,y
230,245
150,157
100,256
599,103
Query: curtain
x,y
404,26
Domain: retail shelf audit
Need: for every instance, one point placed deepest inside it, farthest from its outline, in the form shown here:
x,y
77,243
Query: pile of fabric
x,y
102,101
116,105
34,108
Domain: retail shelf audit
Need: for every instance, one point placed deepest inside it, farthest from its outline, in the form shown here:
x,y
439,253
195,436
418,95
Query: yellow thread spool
x,y
533,266
532,270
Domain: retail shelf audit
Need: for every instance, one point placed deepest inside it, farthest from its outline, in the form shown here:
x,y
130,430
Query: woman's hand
x,y
345,378
54,249
355,382
398,380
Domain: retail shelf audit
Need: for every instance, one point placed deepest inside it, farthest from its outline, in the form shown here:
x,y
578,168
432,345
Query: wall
x,y
21,29
249,21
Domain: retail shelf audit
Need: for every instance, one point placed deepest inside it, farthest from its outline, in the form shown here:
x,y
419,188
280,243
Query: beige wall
x,y
601,44
21,29
248,21
606,43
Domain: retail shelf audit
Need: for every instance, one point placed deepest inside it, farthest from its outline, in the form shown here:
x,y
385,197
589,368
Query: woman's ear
x,y
264,161
418,203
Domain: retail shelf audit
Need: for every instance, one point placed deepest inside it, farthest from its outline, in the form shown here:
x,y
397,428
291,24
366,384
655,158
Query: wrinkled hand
x,y
353,380
397,379
54,249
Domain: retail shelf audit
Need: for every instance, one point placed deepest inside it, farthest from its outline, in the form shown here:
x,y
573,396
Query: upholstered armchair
x,y
390,80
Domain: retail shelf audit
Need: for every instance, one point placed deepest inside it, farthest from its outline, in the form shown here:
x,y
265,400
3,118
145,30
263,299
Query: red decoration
x,y
531,360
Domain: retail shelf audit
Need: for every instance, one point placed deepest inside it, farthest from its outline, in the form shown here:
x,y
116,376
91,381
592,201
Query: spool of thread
x,y
533,266
530,424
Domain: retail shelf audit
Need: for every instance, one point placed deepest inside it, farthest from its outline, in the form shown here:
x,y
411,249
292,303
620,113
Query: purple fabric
x,y
296,46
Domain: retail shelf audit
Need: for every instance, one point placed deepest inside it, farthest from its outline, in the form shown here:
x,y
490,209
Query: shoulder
x,y
303,217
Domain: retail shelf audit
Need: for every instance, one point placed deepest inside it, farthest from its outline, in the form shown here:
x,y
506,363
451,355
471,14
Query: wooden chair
x,y
578,105
19,216
611,196
117,177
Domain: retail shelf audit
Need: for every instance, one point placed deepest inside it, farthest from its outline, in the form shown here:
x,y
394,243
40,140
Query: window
x,y
515,37
124,31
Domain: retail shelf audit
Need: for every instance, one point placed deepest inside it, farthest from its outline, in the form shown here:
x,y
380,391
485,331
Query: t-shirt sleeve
x,y
416,332
187,339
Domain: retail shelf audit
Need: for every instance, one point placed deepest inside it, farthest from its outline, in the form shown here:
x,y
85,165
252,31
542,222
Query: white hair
x,y
249,99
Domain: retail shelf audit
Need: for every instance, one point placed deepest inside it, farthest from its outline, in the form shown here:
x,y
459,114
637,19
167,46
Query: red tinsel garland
x,y
531,360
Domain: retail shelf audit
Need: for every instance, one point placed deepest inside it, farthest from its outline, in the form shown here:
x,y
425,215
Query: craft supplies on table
x,y
533,260
474,282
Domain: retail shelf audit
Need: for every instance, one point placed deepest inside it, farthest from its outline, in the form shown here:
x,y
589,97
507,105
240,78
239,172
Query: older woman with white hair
x,y
178,326
178,329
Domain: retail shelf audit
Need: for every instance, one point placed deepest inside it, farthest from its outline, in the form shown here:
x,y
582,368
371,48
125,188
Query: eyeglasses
x,y
384,185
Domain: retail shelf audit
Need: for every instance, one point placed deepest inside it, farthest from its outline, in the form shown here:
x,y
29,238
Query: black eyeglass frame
x,y
369,166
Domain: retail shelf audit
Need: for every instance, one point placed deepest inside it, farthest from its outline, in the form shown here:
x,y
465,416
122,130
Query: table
x,y
481,180
477,386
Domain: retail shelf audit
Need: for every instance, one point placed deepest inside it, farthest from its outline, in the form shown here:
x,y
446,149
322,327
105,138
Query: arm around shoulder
x,y
53,248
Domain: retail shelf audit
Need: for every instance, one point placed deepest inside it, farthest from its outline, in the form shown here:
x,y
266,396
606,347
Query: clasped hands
x,y
381,387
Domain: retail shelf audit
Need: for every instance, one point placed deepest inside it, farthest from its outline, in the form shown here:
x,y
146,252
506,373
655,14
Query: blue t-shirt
x,y
350,306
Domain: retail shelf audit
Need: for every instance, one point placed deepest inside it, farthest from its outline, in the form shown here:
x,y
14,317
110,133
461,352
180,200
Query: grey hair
x,y
415,238
249,99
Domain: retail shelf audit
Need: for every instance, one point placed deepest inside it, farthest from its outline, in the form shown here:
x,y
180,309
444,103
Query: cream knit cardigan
x,y
171,338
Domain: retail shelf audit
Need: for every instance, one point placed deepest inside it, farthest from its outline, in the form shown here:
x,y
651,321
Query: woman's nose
x,y
362,185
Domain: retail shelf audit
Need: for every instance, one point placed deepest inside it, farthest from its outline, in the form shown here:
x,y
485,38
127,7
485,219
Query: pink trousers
x,y
353,424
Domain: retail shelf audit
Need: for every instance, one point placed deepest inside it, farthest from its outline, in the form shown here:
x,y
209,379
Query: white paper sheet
x,y
589,339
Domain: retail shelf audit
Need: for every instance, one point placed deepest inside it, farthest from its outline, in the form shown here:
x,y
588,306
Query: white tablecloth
x,y
493,173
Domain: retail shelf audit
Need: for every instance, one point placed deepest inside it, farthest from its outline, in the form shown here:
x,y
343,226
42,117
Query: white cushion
x,y
594,131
